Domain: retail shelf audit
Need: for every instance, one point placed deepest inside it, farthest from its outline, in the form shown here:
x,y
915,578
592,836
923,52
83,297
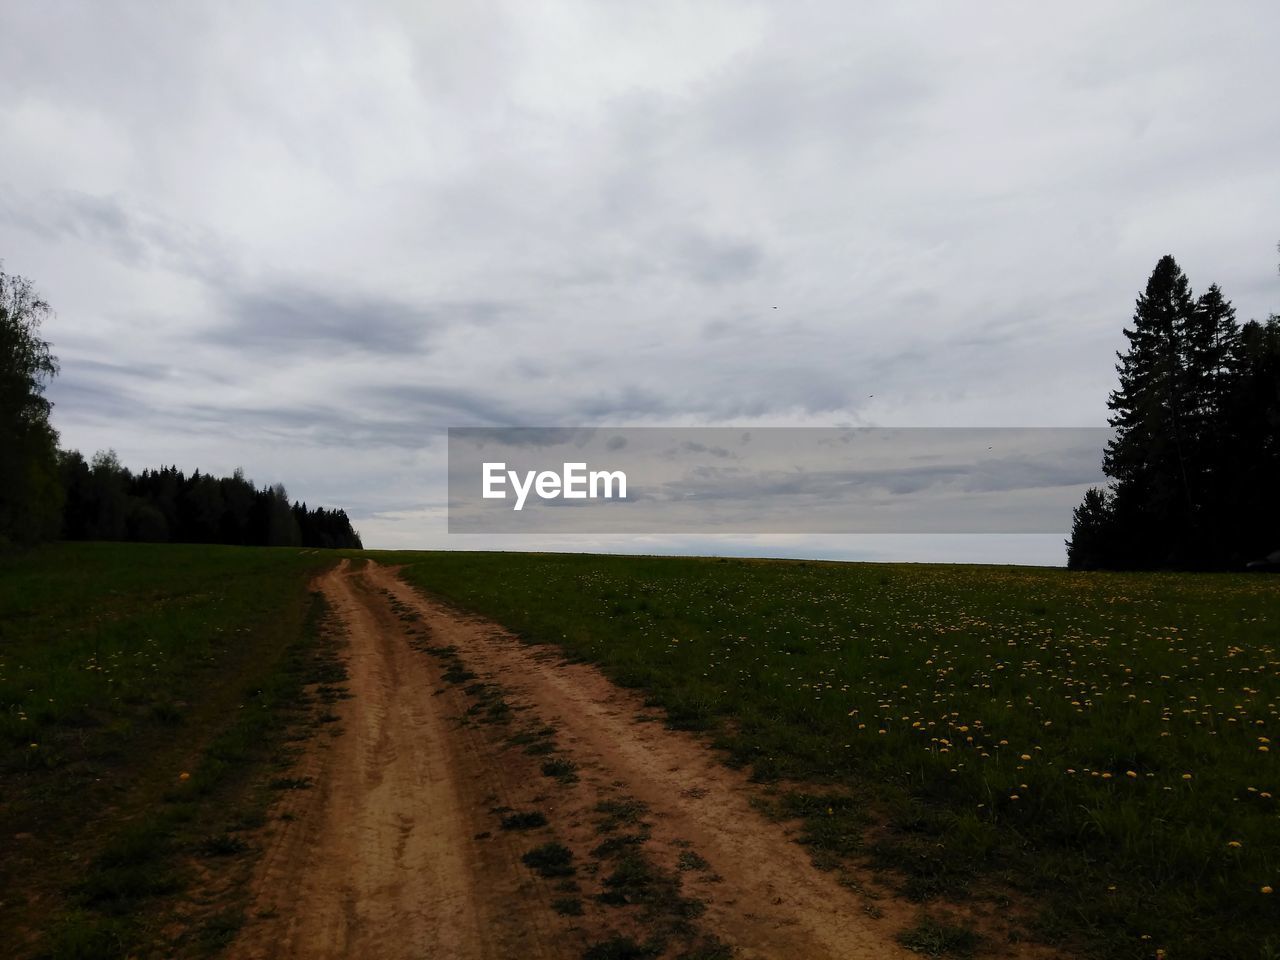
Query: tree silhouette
x,y
1195,460
1149,456
30,493
104,501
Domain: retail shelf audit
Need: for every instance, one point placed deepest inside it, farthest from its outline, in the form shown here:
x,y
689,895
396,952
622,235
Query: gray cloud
x,y
302,320
124,231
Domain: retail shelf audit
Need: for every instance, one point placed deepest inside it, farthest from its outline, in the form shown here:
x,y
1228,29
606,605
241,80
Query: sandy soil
x,y
396,851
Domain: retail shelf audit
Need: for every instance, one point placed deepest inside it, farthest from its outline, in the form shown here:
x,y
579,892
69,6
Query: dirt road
x,y
453,730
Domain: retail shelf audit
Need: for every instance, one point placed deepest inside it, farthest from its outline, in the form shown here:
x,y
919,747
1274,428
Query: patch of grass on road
x,y
561,770
550,860
524,820
1101,743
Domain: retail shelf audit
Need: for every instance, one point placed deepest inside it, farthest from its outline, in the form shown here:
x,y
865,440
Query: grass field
x,y
1096,746
142,688
1100,743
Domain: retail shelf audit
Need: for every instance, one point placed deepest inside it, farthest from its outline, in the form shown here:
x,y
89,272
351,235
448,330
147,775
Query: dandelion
x,y
1265,889
1234,844
184,775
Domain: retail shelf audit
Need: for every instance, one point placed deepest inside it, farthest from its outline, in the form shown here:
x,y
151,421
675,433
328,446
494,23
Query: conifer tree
x,y
1090,546
1150,457
1195,460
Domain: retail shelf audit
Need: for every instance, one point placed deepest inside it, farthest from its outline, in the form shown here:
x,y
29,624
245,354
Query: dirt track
x,y
397,851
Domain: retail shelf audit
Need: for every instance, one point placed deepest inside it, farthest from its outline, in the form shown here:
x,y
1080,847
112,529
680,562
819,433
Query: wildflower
x,y
1265,889
1234,844
184,775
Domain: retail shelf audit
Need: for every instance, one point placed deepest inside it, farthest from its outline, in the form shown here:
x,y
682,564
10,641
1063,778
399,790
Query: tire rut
x,y
761,893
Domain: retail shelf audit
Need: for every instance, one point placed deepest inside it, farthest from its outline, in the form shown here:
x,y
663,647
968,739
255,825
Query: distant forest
x,y
46,493
104,501
1195,459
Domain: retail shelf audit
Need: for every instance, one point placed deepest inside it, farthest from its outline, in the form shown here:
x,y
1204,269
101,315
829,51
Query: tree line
x,y
46,493
1194,459
104,501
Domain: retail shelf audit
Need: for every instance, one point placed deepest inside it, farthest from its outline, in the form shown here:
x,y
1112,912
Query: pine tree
x,y
1211,348
1211,364
1091,545
1251,462
1195,460
1150,458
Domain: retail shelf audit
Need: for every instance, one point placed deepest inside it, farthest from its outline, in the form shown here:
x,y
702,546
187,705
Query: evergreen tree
x,y
1251,461
1090,545
1211,365
1195,460
1211,357
1150,458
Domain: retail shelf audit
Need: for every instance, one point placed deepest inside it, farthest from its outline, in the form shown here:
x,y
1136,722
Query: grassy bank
x,y
1101,743
143,692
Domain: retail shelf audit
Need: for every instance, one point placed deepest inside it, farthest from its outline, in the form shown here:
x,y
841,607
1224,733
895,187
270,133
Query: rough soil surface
x,y
397,850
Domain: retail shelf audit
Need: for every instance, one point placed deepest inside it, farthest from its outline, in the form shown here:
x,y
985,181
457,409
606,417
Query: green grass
x,y
123,667
524,820
934,938
564,771
567,906
550,860
1099,743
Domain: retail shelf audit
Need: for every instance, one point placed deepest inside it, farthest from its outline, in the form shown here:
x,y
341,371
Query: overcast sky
x,y
306,238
